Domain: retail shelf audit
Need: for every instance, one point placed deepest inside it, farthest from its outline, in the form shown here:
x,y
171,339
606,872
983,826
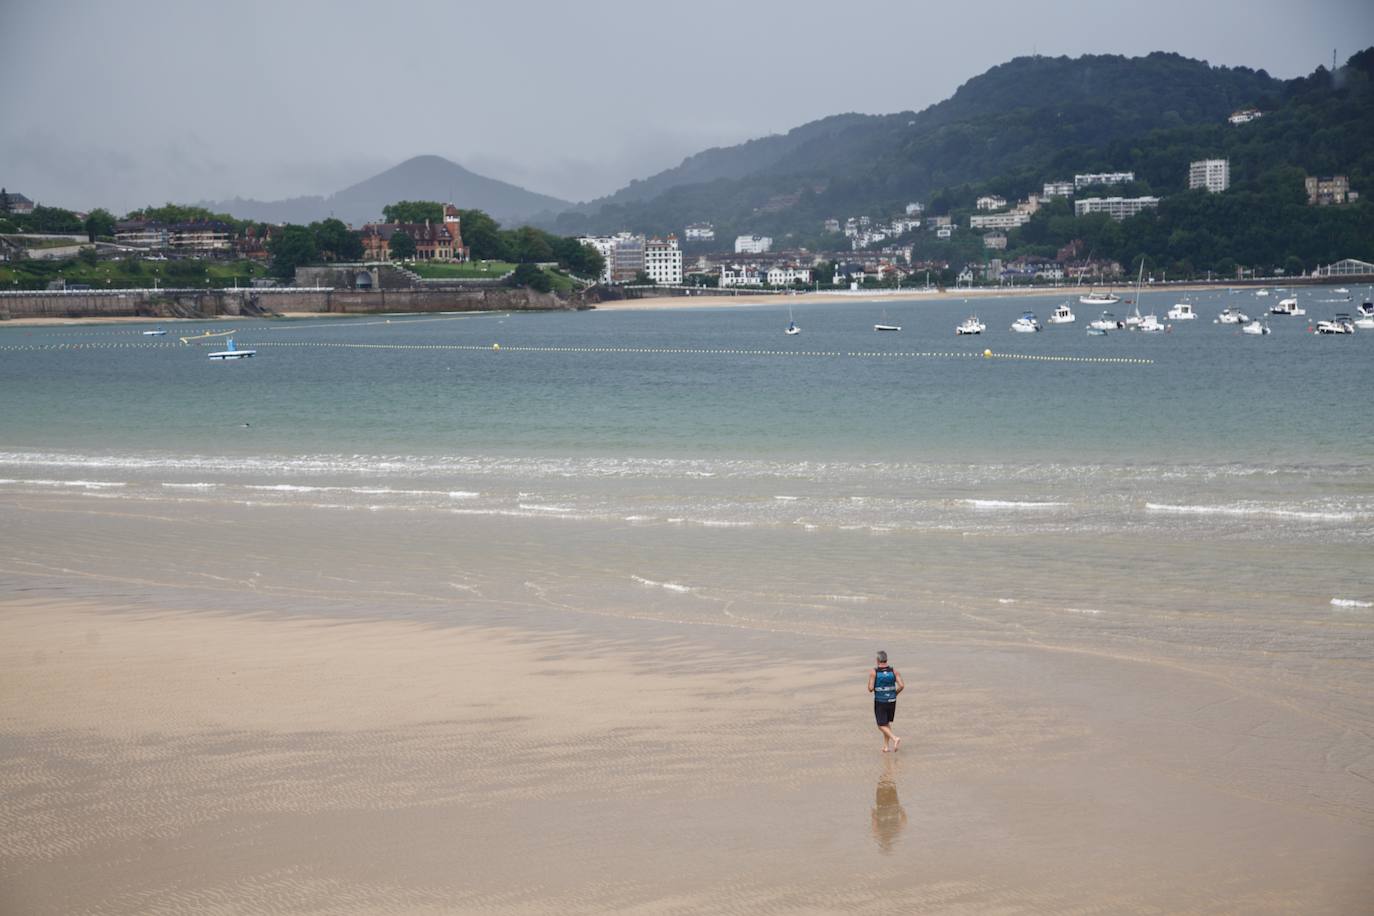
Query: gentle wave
x,y
1258,512
670,586
1350,602
1009,504
86,484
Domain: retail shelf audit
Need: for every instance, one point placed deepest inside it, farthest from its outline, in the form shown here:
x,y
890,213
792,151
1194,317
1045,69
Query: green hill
x,y
1038,119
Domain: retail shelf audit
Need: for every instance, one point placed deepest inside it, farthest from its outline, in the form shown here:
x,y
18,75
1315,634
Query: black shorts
x,y
884,712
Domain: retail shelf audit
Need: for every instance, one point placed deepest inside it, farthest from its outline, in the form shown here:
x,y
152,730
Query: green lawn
x,y
129,273
441,270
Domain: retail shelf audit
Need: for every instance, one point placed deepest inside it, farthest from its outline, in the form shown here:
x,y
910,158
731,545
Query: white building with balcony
x,y
1092,178
753,244
663,261
1212,174
1058,189
1118,208
991,202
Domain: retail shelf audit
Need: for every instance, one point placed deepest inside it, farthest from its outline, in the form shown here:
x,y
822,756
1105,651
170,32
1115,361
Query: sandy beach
x,y
166,762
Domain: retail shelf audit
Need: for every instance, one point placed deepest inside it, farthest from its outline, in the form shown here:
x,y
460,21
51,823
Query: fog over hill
x,y
419,178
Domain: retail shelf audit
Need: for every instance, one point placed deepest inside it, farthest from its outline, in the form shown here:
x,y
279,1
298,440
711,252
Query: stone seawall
x,y
163,303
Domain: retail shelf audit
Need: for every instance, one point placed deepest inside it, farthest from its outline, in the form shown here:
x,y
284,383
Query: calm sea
x,y
1197,489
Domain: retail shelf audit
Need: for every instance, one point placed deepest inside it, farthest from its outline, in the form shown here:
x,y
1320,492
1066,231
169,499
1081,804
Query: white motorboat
x,y
1062,315
1288,306
1261,292
233,352
1096,298
1341,290
1151,324
887,327
1256,327
1232,316
155,332
1107,322
1340,324
1026,324
971,325
1182,311
1364,318
1096,332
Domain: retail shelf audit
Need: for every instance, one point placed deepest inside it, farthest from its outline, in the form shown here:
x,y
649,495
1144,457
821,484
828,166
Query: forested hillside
x,y
1039,119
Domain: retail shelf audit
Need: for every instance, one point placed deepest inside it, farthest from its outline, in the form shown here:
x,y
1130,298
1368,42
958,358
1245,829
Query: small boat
x,y
1364,318
155,332
1096,332
1062,315
1026,324
971,325
1256,327
1341,290
792,328
1107,322
1096,298
233,352
1340,324
1232,316
1288,306
1182,311
887,327
1150,324
1261,292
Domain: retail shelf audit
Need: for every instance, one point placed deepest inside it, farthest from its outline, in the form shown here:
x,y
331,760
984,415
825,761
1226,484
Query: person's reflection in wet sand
x,y
889,817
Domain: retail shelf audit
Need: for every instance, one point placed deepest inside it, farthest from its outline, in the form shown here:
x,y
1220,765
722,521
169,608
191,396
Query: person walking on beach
x,y
885,683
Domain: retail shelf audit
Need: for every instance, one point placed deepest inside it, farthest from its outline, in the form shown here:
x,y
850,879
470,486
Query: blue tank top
x,y
884,685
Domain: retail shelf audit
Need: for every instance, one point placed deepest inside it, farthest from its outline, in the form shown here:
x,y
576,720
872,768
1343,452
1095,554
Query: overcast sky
x,y
122,104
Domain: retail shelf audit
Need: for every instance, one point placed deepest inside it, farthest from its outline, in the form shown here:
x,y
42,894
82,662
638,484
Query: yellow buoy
x,y
496,346
987,354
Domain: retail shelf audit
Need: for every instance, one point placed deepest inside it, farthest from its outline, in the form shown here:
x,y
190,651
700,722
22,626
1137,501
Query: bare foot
x,y
884,747
896,745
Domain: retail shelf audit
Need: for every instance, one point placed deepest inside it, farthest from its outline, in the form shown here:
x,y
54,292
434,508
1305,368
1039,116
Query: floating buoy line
x,y
669,351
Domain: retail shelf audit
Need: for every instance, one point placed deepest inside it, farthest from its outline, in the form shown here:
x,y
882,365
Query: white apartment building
x,y
832,225
995,240
663,261
1058,189
1092,178
1245,116
740,275
915,209
1009,220
753,244
991,202
605,246
701,232
1118,208
1212,174
786,276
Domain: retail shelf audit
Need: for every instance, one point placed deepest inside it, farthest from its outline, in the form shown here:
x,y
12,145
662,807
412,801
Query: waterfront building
x,y
433,242
453,223
1212,174
740,275
701,232
1093,178
1350,267
663,261
604,246
753,244
627,258
1058,189
1324,192
786,276
204,237
1118,208
990,202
